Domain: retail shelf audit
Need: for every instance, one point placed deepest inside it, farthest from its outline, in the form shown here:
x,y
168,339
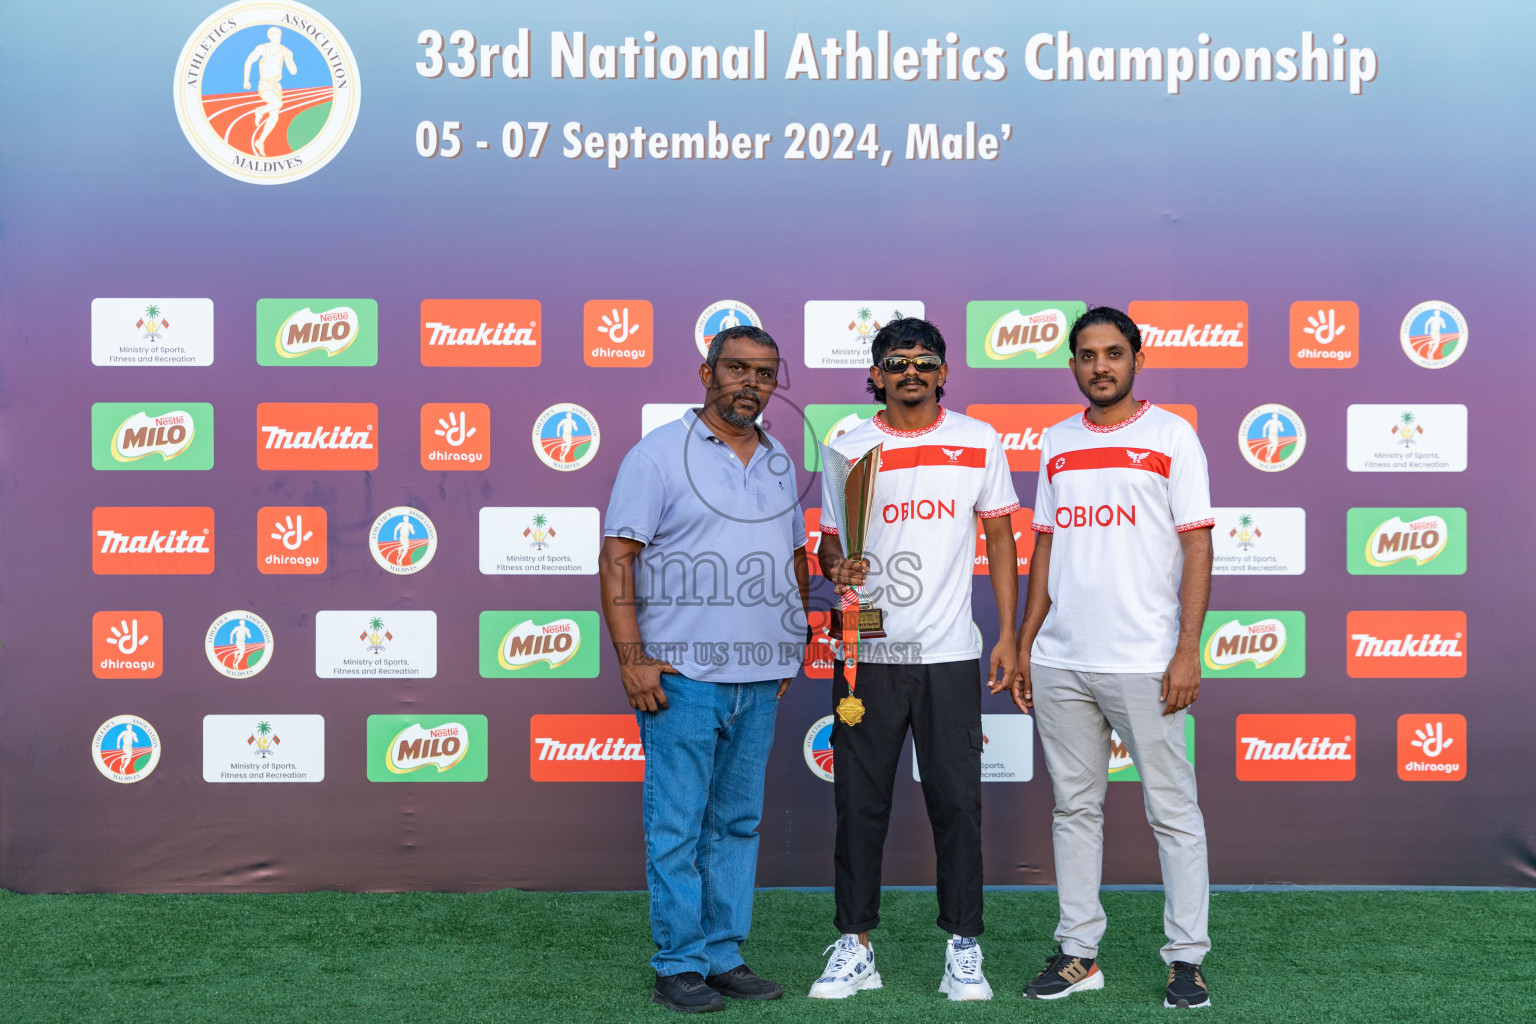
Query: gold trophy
x,y
853,490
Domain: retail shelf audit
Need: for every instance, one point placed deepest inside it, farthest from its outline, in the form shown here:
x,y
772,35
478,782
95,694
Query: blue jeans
x,y
705,758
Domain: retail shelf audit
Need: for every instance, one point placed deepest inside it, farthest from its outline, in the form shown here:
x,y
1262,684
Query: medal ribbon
x,y
850,617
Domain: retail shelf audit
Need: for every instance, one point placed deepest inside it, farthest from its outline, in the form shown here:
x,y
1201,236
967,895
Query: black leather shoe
x,y
741,983
686,993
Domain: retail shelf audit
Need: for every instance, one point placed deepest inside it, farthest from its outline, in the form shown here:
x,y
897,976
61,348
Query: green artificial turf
x,y
431,958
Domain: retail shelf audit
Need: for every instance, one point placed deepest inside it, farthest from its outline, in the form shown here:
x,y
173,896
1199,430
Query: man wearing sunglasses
x,y
939,471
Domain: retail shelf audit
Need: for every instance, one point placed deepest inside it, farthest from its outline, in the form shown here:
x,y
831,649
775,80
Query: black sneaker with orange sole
x,y
1064,975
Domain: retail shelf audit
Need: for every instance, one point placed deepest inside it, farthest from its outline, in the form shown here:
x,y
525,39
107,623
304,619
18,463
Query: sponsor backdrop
x,y
325,332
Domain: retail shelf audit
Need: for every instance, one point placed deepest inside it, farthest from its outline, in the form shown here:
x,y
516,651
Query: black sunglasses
x,y
923,364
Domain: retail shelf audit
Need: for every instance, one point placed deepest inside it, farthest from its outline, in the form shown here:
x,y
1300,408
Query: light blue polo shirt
x,y
715,583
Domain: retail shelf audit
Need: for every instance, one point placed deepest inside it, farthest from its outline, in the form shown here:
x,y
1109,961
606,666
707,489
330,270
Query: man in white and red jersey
x,y
939,471
1118,586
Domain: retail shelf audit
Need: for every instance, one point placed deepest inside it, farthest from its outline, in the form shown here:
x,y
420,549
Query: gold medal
x,y
851,710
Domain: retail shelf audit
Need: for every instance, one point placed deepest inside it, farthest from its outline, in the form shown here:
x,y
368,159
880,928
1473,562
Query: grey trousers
x,y
1074,712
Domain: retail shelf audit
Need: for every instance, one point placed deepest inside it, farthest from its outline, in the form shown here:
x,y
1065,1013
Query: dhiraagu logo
x,y
1122,768
152,435
539,645
1254,645
825,423
1407,541
427,748
1019,334
317,332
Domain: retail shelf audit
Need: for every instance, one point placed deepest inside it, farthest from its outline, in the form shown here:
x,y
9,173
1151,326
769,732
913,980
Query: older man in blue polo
x,y
704,589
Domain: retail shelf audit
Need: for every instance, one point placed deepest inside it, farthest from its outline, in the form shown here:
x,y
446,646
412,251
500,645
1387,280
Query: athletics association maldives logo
x,y
818,748
719,316
1272,438
565,436
402,540
126,748
239,644
1434,334
267,92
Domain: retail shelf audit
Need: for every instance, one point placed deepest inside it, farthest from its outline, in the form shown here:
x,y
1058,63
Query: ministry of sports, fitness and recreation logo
x,y
239,644
720,315
1434,334
1272,438
402,540
818,748
298,113
268,92
126,748
565,436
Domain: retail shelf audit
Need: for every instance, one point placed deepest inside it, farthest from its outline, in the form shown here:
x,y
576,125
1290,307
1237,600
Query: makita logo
x,y
1070,516
317,435
1406,644
1315,748
152,540
485,334
1026,440
923,508
320,438
1422,646
613,748
1296,748
1193,336
480,332
175,542
585,748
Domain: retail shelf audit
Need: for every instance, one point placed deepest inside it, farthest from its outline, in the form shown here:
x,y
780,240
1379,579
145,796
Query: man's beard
x,y
730,415
1115,396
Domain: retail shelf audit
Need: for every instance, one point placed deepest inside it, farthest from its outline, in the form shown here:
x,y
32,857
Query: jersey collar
x,y
1145,405
884,427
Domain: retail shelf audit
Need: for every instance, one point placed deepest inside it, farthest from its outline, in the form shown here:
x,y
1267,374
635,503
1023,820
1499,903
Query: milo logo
x,y
1402,541
538,645
1254,645
317,332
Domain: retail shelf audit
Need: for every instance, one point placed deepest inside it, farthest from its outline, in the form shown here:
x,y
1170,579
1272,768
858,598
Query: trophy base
x,y
871,623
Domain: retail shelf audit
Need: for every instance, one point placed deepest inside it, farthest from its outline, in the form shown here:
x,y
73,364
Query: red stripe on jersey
x,y
932,455
1109,458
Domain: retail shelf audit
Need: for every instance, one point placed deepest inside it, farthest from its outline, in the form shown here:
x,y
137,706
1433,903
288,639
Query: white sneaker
x,y
851,969
962,971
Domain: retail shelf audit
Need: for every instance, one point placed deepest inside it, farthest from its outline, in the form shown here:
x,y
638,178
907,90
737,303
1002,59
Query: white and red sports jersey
x,y
1114,500
932,485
